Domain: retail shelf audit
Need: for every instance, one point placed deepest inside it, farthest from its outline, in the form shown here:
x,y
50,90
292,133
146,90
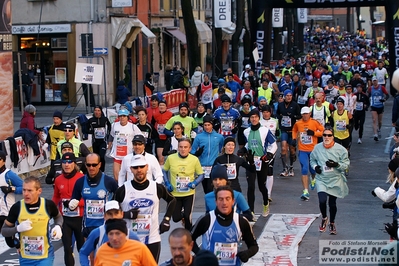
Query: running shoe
x,y
333,230
266,211
254,218
291,171
270,199
305,196
379,133
323,225
312,183
284,172
359,141
376,137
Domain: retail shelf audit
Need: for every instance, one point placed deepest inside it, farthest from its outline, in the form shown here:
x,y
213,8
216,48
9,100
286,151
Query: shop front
x,y
47,61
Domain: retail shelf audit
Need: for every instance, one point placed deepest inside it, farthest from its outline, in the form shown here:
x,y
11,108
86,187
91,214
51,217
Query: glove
x,y
172,152
193,135
243,255
199,151
131,214
250,157
7,189
24,226
310,132
169,187
331,163
242,151
73,204
348,126
191,185
267,157
373,193
66,203
56,233
248,215
389,205
382,100
164,226
293,143
234,130
318,169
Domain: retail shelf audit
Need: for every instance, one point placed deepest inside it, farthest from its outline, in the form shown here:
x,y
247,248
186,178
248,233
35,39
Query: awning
x,y
124,31
178,35
204,32
227,33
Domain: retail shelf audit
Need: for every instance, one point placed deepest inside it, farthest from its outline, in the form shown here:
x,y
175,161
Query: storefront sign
x,y
222,14
302,15
29,29
89,73
121,3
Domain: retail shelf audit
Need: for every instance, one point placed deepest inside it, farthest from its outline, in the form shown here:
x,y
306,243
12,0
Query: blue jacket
x,y
122,94
213,144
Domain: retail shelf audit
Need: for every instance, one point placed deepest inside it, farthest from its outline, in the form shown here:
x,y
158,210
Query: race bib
x,y
207,171
226,253
258,163
67,212
380,80
33,245
327,169
200,129
359,106
245,122
301,100
182,183
99,133
286,121
121,145
227,125
145,134
341,125
141,226
306,139
161,129
95,209
231,170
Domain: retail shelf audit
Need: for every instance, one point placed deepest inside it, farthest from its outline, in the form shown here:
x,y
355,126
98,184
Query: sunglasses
x,y
92,164
68,130
327,135
137,167
67,161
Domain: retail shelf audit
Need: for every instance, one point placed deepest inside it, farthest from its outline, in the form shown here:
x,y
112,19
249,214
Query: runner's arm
x,y
248,237
199,229
164,194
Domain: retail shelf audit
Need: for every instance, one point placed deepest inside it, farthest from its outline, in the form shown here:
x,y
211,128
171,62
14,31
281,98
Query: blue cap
x,y
123,112
261,98
287,92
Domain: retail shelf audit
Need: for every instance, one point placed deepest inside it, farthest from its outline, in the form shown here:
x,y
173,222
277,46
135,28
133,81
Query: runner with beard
x,y
189,123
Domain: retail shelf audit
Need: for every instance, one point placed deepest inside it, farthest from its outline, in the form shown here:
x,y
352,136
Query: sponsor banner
x,y
324,3
259,24
358,252
392,26
278,17
302,15
222,13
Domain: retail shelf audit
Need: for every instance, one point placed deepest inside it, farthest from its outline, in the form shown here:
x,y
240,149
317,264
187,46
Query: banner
x,y
302,15
259,23
222,13
278,16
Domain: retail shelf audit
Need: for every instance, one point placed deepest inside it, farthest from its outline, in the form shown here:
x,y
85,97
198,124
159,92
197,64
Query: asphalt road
x,y
360,215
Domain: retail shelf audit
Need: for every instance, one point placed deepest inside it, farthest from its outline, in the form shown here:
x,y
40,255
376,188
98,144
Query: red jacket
x,y
63,188
151,113
160,121
28,121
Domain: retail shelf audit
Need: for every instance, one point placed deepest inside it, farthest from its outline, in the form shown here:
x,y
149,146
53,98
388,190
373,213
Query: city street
x,y
360,215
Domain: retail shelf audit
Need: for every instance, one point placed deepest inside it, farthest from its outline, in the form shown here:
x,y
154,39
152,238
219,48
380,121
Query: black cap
x,y
184,104
207,119
340,100
162,101
219,171
3,156
57,114
116,224
70,125
225,99
66,144
221,90
229,139
359,85
139,138
69,156
254,112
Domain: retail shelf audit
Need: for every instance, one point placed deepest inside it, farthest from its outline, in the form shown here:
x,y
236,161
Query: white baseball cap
x,y
112,205
247,66
305,110
138,160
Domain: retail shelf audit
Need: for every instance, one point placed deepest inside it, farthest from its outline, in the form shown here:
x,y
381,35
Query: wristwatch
x,y
167,218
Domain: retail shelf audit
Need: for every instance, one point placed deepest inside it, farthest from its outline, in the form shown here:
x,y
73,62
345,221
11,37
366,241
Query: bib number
x,y
226,253
141,226
359,106
286,121
121,145
227,126
99,133
161,129
341,125
306,139
95,209
327,169
67,212
182,183
258,163
231,170
207,171
33,245
301,100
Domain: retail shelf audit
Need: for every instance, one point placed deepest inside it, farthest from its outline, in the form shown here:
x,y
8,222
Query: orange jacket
x,y
305,142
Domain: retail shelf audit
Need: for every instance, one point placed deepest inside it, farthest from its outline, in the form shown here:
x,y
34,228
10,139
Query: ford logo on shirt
x,y
141,203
